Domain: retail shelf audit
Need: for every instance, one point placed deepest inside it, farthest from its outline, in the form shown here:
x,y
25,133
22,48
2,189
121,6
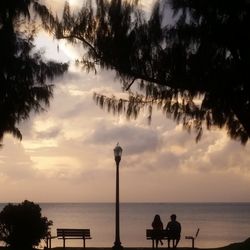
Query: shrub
x,y
22,226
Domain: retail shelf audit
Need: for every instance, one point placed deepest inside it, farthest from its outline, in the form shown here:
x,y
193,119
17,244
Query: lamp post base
x,y
117,246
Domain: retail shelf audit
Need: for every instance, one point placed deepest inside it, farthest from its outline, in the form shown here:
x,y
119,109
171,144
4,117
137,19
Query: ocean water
x,y
220,223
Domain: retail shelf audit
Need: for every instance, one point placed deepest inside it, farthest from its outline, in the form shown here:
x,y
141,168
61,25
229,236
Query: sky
x,y
66,154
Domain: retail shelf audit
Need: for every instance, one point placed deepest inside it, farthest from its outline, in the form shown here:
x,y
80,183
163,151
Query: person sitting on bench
x,y
174,231
157,226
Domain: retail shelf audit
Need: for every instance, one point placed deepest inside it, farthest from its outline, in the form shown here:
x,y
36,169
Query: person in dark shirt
x,y
157,226
174,231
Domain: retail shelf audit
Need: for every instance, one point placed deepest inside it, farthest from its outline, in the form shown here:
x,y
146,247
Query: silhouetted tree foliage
x,y
196,69
22,226
24,74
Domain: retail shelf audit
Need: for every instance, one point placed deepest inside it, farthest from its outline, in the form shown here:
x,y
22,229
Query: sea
x,y
220,224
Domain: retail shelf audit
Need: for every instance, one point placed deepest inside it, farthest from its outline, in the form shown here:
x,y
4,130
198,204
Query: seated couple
x,y
173,230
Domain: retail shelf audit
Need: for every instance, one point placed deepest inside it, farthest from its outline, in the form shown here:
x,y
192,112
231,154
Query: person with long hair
x,y
157,226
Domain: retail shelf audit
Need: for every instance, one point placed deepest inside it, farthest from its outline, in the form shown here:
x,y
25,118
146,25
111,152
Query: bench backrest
x,y
70,232
151,233
198,230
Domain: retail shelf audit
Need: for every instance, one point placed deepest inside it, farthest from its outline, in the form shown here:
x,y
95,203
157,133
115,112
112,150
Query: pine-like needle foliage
x,y
24,75
195,69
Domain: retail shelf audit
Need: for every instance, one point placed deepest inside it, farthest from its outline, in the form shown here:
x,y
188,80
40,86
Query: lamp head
x,y
117,153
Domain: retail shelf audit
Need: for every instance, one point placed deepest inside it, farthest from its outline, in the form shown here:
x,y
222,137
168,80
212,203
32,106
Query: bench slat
x,y
73,232
74,238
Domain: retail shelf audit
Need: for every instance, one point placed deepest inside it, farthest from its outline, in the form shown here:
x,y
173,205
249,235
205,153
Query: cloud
x,y
49,133
134,139
15,163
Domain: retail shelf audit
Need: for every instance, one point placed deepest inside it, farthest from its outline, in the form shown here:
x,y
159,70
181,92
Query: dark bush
x,y
22,226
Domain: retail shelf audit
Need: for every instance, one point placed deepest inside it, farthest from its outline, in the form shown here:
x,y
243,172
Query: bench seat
x,y
153,235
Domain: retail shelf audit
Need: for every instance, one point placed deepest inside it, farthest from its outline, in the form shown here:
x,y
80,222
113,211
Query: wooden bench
x,y
192,238
70,233
154,235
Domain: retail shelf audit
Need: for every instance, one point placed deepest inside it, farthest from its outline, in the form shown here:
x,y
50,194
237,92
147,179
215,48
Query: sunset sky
x,y
66,154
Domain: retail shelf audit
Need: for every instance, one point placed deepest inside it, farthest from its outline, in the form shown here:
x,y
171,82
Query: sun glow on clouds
x,y
75,2
44,134
55,163
146,4
33,145
43,125
72,52
74,91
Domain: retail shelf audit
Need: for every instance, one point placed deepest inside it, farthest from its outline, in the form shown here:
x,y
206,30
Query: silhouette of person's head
x,y
157,217
173,217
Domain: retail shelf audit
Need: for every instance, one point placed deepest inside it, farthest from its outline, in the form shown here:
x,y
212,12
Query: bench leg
x,y
153,244
48,242
83,242
63,242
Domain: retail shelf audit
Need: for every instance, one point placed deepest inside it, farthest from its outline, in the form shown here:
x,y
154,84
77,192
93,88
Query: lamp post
x,y
117,155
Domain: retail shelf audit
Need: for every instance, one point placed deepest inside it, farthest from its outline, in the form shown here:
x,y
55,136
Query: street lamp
x,y
117,243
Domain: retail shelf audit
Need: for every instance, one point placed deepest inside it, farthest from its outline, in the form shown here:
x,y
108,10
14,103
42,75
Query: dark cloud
x,y
133,139
169,161
79,109
49,133
26,126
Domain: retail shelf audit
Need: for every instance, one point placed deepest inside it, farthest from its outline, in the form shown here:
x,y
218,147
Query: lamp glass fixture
x,y
117,150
